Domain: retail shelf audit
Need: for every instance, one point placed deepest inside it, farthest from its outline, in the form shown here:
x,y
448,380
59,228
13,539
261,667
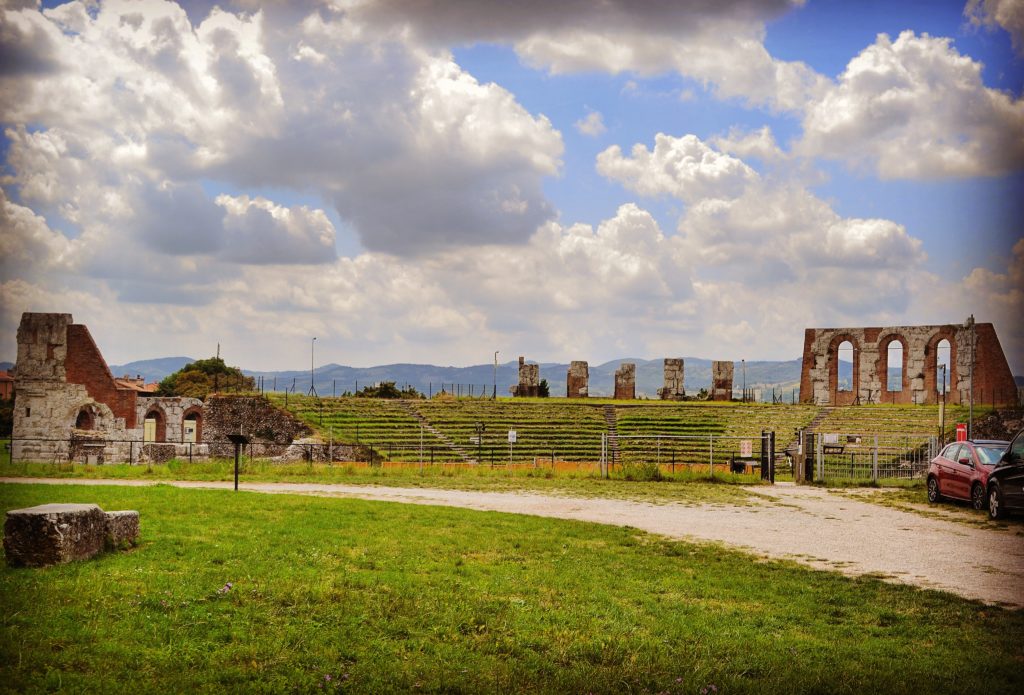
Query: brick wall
x,y
85,365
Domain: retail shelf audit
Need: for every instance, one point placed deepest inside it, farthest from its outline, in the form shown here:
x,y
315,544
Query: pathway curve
x,y
809,525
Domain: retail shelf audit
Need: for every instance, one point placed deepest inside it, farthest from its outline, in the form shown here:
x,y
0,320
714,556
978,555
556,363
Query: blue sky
x,y
429,183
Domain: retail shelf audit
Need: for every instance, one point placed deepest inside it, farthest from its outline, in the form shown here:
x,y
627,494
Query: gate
x,y
834,456
711,453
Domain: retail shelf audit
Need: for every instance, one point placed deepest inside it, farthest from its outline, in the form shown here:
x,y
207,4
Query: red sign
x,y
961,432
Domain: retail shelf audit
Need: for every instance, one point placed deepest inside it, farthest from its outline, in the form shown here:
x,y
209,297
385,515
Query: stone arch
x,y
903,394
843,397
192,417
158,433
86,418
931,365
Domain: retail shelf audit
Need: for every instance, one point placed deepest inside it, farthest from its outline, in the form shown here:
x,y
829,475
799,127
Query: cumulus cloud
x,y
685,168
916,108
721,44
592,124
1008,14
259,231
746,144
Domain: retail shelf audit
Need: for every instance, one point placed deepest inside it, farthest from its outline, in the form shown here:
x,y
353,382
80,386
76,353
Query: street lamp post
x,y
744,363
312,388
494,394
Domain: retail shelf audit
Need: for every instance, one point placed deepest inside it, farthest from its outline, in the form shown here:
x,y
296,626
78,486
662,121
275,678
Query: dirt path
x,y
809,525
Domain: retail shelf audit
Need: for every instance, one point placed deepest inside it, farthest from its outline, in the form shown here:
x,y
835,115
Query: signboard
x,y
746,448
961,432
830,439
511,436
474,440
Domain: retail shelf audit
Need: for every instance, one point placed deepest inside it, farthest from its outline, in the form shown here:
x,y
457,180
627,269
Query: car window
x,y
951,451
1017,447
989,454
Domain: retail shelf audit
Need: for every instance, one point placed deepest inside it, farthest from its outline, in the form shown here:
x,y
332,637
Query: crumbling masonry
x,y
625,382
529,380
721,380
918,379
577,381
674,388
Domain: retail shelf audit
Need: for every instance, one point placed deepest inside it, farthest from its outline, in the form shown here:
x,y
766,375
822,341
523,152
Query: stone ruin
x,y
529,380
674,388
625,382
721,380
919,377
577,381
52,534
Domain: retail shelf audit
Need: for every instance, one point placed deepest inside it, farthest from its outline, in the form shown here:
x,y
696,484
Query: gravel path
x,y
809,525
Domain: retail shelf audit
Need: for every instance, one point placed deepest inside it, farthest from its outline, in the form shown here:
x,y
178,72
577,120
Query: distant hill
x,y
6,366
151,370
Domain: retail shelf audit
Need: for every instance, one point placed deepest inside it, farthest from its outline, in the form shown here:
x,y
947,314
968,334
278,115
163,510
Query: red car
x,y
961,471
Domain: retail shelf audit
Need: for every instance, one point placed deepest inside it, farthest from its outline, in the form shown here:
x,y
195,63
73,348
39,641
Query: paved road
x,y
809,525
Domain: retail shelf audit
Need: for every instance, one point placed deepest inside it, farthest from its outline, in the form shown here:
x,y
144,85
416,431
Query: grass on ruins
x,y
274,593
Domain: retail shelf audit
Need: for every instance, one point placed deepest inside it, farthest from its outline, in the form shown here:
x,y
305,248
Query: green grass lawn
x,y
625,483
347,595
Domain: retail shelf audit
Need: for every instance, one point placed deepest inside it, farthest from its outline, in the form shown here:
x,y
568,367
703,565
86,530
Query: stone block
x,y
122,529
625,382
51,534
577,382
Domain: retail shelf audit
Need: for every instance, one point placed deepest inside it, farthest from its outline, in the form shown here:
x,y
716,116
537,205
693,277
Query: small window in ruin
x,y
28,412
85,420
844,355
942,367
894,371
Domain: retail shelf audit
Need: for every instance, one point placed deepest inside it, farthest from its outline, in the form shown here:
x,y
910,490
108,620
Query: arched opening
x,y
943,375
154,427
894,367
844,374
86,420
192,426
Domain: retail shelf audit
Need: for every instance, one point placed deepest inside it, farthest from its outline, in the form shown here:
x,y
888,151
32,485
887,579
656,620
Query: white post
x,y
330,445
874,461
711,455
421,448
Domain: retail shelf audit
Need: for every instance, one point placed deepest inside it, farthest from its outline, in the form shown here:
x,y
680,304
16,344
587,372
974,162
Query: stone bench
x,y
51,534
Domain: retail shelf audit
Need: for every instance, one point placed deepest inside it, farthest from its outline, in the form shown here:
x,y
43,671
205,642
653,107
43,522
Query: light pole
x,y
970,410
744,363
312,388
494,394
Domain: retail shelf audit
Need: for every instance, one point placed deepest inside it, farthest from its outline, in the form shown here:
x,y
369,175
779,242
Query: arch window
x,y
894,366
154,427
86,420
192,427
844,374
943,372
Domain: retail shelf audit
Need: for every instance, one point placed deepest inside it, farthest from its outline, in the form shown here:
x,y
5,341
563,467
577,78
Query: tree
x,y
203,377
543,390
387,389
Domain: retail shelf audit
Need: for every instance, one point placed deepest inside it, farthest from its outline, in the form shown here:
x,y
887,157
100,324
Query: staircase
x,y
459,451
613,435
823,413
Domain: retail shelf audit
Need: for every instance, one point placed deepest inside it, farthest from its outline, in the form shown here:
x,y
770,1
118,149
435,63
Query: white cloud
x,y
1008,14
916,108
682,167
758,144
592,124
258,231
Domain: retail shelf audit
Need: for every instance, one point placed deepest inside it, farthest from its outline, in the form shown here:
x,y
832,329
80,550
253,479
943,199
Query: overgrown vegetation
x,y
387,389
274,593
203,377
6,416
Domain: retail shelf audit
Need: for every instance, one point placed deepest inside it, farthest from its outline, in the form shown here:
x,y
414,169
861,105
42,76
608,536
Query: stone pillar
x,y
577,381
529,380
721,381
625,382
674,386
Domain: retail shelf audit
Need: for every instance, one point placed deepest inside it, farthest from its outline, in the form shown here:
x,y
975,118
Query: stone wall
x,y
721,380
625,382
268,426
674,384
529,380
919,378
577,381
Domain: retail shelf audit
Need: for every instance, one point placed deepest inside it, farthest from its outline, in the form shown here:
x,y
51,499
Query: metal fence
x,y
712,452
871,456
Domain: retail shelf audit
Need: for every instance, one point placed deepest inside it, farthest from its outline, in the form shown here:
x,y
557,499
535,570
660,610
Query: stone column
x,y
673,389
625,382
577,381
721,380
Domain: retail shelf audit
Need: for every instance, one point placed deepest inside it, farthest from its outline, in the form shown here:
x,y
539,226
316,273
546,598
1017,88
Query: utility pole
x,y
312,388
942,410
744,363
970,410
494,394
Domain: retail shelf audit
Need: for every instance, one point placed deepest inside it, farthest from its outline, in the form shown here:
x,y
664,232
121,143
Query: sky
x,y
430,182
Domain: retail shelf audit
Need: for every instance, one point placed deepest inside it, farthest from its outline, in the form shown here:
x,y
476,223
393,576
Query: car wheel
x,y
933,490
996,508
978,497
